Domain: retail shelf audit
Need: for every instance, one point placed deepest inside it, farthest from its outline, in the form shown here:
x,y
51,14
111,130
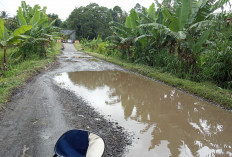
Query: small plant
x,y
14,38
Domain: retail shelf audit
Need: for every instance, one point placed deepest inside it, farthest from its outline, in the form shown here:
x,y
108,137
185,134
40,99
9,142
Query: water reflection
x,y
171,123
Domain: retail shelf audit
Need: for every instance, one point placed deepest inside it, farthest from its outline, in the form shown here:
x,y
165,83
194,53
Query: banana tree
x,y
123,35
14,38
43,33
186,21
132,36
176,26
120,33
153,35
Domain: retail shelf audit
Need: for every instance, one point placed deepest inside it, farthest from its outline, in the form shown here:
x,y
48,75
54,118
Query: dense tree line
x,y
52,17
93,20
184,37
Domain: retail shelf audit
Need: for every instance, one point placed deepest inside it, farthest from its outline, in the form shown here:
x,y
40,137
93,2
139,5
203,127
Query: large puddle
x,y
166,121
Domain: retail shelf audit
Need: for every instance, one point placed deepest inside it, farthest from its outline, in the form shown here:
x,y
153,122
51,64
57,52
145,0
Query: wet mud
x,y
82,116
120,106
40,112
63,57
166,121
71,60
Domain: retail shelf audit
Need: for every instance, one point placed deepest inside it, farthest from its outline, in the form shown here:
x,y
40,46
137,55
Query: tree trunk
x,y
5,63
128,51
123,50
44,46
41,52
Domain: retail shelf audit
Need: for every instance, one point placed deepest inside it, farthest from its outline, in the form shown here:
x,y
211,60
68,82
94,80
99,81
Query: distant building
x,y
70,34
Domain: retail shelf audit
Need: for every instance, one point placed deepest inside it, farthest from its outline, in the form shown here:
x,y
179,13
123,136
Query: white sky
x,y
64,7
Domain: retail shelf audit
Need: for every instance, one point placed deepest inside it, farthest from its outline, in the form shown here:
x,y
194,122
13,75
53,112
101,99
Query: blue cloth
x,y
73,143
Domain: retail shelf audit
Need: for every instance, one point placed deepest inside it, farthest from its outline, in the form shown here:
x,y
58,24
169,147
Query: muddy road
x,y
122,107
40,112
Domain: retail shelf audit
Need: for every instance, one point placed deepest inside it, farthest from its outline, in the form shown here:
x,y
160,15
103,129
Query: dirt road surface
x,y
40,112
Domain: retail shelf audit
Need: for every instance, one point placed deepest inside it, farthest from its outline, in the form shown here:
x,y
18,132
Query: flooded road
x,y
166,121
39,112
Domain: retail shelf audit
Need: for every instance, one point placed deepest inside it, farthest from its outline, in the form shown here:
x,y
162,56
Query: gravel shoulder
x,y
40,112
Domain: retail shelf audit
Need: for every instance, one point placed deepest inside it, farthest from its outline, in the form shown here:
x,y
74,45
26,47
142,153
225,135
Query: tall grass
x,y
206,89
20,71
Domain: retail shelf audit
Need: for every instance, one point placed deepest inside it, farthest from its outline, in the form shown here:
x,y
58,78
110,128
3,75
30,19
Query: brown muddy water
x,y
165,121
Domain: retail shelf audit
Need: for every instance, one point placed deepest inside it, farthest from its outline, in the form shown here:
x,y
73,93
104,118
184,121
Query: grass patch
x,y
205,90
19,73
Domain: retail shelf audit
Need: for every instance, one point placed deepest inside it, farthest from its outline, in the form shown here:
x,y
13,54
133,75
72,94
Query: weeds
x,y
205,89
19,72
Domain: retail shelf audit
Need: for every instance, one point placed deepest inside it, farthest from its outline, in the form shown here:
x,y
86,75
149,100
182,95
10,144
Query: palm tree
x,y
4,15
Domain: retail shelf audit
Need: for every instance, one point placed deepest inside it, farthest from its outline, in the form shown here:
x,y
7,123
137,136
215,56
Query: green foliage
x,y
98,46
10,23
27,37
21,20
19,72
151,11
7,40
179,37
2,29
206,90
22,30
92,20
42,34
102,49
58,22
33,33
132,20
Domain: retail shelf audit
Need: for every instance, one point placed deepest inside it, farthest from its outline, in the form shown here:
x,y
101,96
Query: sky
x,y
64,7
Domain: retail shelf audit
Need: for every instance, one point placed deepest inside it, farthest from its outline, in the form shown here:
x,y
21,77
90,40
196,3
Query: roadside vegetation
x,y
185,43
93,20
206,90
28,44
